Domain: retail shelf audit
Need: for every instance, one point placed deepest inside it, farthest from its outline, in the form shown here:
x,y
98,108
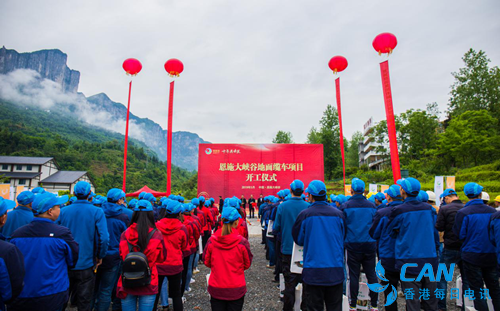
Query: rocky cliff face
x,y
50,64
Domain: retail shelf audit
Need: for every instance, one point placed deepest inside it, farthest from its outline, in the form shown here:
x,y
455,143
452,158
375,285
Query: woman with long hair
x,y
175,237
142,236
228,255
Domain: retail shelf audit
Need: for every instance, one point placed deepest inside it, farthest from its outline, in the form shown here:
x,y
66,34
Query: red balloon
x,y
385,43
174,67
132,66
337,64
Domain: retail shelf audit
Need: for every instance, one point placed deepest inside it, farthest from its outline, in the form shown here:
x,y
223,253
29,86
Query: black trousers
x,y
393,277
354,262
81,288
185,264
277,267
174,290
291,281
204,239
317,297
227,305
264,239
252,212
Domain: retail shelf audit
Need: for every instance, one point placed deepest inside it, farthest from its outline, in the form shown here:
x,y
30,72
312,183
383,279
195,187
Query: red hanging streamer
x,y
391,127
126,141
169,137
337,88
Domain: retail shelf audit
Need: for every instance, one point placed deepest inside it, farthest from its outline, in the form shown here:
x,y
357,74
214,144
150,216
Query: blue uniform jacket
x,y
412,224
386,243
359,213
262,208
494,233
471,227
321,230
16,218
49,250
117,222
285,218
11,272
88,225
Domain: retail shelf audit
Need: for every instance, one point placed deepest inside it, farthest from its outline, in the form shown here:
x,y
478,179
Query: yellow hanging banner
x,y
19,189
383,188
5,191
450,182
347,190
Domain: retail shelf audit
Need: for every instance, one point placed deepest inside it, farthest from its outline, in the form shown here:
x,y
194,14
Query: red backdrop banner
x,y
244,169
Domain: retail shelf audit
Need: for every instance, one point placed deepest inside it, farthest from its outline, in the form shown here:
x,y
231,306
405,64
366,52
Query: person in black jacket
x,y
251,207
221,204
452,244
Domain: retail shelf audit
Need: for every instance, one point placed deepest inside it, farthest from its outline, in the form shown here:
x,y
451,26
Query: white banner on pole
x,y
438,186
373,188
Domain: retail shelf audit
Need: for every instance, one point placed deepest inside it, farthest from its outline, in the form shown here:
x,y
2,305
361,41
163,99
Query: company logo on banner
x,y
439,186
373,188
251,169
5,191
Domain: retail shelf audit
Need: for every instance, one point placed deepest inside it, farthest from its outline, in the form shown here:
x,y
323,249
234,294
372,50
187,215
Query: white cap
x,y
485,196
432,196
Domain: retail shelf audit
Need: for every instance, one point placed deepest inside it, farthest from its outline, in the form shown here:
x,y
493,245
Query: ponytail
x,y
227,228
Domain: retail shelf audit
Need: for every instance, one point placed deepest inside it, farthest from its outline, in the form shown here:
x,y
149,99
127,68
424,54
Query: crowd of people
x,y
96,252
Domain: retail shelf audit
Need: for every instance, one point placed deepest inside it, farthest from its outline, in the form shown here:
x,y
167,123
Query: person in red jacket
x,y
143,222
194,235
207,228
228,255
175,236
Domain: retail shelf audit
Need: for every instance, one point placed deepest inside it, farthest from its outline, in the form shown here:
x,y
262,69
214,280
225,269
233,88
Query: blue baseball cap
x,y
286,192
45,201
25,197
332,197
148,196
133,203
341,199
174,207
73,199
38,190
162,199
202,199
316,188
195,202
230,214
379,196
143,206
448,192
473,190
410,185
357,185
422,196
115,194
82,188
297,185
233,203
394,191
207,203
6,205
142,194
372,199
384,202
181,199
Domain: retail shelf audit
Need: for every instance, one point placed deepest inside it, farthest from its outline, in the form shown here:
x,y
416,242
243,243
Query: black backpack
x,y
135,270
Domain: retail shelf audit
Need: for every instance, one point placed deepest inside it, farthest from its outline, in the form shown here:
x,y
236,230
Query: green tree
x,y
313,137
476,86
283,137
329,137
352,156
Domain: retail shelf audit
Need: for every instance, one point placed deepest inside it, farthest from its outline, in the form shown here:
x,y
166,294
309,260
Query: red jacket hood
x,y
227,241
132,235
169,226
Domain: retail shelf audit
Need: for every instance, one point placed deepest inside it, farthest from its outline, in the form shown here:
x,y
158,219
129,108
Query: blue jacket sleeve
x,y
377,227
491,231
394,224
277,221
11,274
102,234
298,230
71,256
436,232
457,227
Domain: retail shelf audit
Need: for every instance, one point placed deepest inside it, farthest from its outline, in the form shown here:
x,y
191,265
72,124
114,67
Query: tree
x,y
313,137
352,157
283,137
329,136
476,86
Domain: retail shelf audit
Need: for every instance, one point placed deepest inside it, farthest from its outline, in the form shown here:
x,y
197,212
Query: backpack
x,y
135,270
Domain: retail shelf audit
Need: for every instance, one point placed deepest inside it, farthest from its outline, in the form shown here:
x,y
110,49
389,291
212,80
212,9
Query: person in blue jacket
x,y
494,234
386,243
285,219
379,198
21,215
49,250
108,272
361,248
478,253
339,200
417,241
321,230
261,209
88,226
11,263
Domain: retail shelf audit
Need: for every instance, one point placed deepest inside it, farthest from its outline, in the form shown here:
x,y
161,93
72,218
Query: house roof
x,y
24,160
64,177
21,175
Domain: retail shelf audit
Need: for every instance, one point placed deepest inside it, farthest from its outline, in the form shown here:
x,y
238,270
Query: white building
x,y
32,172
367,149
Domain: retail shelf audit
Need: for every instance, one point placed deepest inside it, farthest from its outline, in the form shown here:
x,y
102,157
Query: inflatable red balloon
x,y
385,43
132,66
174,67
337,64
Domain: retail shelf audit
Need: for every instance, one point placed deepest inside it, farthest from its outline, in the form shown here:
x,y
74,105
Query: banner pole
x,y
126,140
337,88
169,137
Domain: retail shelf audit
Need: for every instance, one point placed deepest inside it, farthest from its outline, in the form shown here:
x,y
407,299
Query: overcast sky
x,y
255,67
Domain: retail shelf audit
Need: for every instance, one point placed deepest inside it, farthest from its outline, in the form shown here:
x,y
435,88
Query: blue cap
x,y
82,188
143,206
233,203
472,190
45,201
332,197
410,185
341,199
133,203
6,205
162,199
202,199
115,194
372,199
394,191
384,202
448,192
357,185
73,199
422,196
142,194
148,196
297,185
181,199
316,188
379,196
91,195
230,214
207,203
38,190
303,196
174,207
286,192
25,197
195,202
